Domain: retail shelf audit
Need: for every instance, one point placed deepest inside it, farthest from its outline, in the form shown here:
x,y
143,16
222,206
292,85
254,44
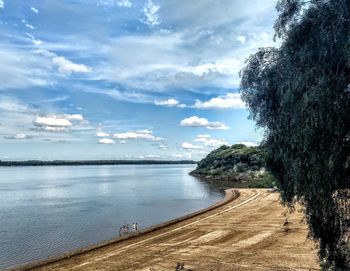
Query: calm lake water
x,y
45,211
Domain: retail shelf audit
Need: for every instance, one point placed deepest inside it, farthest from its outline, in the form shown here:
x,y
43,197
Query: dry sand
x,y
247,233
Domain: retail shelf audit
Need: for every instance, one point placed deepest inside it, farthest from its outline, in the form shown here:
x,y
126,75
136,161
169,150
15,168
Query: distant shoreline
x,y
92,162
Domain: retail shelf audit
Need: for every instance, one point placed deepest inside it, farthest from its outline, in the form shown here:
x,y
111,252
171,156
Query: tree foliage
x,y
238,163
300,94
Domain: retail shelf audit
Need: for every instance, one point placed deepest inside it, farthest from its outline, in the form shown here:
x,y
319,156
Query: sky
x,y
126,79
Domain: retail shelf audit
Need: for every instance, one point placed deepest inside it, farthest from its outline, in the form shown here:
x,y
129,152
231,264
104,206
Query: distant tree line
x,y
91,162
300,94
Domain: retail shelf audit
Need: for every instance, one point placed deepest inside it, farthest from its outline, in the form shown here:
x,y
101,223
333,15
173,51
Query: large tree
x,y
300,94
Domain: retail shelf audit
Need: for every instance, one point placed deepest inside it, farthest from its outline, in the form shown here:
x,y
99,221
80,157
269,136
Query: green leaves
x,y
288,12
239,163
299,95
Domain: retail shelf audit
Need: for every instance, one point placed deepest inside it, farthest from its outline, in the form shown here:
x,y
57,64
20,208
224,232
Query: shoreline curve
x,y
230,195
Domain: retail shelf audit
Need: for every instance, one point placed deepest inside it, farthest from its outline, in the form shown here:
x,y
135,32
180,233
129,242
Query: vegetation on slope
x,y
300,94
240,164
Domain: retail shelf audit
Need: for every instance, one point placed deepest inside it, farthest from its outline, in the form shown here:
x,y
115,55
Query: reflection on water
x,y
215,186
45,211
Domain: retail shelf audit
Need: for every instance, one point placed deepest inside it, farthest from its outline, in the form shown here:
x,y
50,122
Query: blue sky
x,y
126,79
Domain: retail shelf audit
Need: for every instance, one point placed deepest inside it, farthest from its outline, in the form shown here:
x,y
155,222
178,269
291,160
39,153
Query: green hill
x,y
245,166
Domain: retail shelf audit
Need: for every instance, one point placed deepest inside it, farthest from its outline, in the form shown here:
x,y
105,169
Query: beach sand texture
x,y
248,233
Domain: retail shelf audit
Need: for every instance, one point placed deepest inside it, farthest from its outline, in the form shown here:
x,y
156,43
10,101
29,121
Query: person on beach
x,y
127,228
134,227
120,231
124,229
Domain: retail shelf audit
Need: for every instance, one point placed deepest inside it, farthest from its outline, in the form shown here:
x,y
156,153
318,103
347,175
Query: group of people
x,y
125,229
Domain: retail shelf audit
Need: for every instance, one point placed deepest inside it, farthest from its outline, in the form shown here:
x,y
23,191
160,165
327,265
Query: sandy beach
x,y
245,231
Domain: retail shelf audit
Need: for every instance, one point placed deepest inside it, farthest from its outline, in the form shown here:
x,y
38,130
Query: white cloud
x,y
52,121
215,142
78,117
145,131
106,141
21,68
223,67
54,129
119,3
217,126
35,41
27,24
10,105
146,135
106,2
187,155
230,100
242,39
203,137
249,143
189,146
195,121
132,135
150,11
169,102
163,147
204,13
66,66
34,10
18,118
152,156
208,141
15,116
124,3
2,4
126,96
30,26
165,60
102,134
17,136
57,123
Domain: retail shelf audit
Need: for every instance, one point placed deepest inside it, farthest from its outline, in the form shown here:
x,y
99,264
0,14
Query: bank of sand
x,y
247,232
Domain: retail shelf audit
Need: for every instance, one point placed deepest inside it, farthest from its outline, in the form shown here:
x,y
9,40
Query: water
x,y
45,211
